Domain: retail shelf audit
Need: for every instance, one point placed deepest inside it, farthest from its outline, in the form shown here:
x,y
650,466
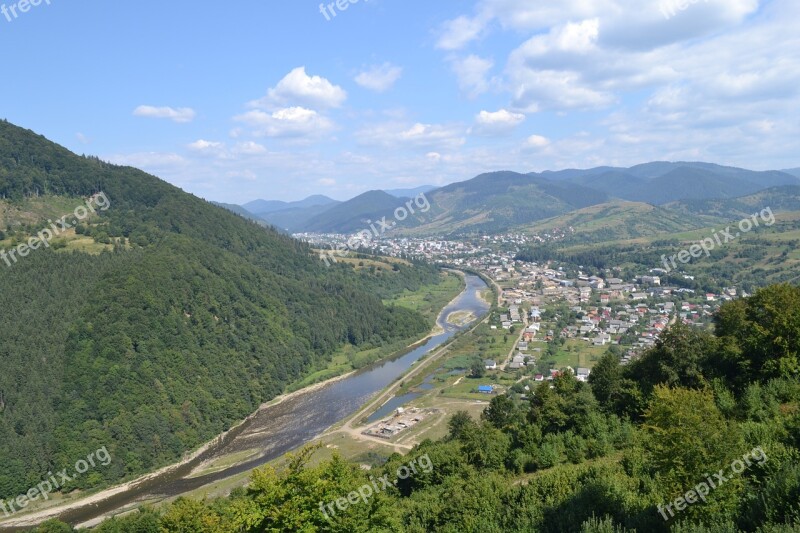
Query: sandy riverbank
x,y
31,519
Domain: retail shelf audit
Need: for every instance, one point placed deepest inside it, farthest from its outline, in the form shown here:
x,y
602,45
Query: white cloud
x,y
206,147
456,33
180,115
326,182
299,89
537,141
286,122
379,78
472,74
422,136
500,122
249,148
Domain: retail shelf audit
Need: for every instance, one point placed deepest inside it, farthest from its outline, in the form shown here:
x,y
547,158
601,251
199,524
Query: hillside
x,y
354,215
158,323
617,220
265,207
411,193
779,199
241,211
793,171
295,219
500,200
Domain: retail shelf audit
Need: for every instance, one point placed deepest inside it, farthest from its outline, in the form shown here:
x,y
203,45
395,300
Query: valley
x,y
281,355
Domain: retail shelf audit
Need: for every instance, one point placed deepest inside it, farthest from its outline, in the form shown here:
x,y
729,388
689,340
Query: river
x,y
290,424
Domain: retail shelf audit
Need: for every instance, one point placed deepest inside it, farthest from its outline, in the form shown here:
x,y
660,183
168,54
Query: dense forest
x,y
195,318
699,435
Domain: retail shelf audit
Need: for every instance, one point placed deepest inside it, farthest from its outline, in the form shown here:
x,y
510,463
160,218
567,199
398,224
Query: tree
x,y
766,329
477,370
460,424
605,379
685,432
677,359
501,412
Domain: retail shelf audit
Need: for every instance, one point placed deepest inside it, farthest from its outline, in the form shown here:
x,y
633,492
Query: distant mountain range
x,y
499,201
410,193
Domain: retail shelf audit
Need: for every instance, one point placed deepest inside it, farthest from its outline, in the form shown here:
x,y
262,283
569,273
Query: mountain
x,y
793,171
661,182
291,216
687,183
264,207
572,173
155,324
500,200
611,182
354,215
411,193
779,199
239,210
619,220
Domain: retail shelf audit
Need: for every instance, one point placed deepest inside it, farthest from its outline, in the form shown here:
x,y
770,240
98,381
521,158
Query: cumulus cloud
x,y
500,122
537,141
179,115
203,146
286,122
379,78
299,89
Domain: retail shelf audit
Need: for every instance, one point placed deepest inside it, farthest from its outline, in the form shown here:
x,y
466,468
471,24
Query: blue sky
x,y
268,99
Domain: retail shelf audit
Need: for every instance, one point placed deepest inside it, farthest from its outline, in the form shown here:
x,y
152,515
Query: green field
x,y
429,301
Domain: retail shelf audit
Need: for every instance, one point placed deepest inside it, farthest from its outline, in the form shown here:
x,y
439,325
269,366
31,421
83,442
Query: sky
x,y
284,99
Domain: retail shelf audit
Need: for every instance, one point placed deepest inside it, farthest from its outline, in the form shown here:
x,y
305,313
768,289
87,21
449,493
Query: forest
x,y
609,456
192,320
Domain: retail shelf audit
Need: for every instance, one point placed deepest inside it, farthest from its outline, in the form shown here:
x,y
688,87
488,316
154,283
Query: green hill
x,y
618,220
779,199
501,200
355,214
157,323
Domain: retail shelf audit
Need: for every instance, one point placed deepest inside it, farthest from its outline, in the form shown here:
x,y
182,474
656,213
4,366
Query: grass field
x,y
429,301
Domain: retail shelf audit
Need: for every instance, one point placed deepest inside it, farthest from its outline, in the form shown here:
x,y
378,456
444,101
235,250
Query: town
x,y
563,317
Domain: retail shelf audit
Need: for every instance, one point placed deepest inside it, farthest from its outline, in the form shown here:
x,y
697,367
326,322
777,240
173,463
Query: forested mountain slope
x,y
190,319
